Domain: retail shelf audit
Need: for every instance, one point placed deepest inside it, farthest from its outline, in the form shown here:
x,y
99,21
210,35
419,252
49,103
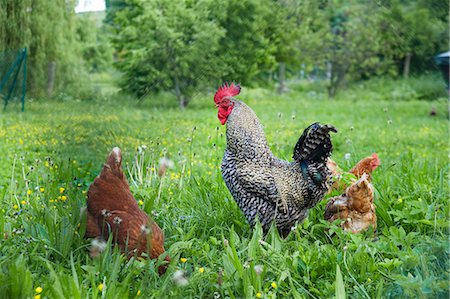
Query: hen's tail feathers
x,y
226,90
315,144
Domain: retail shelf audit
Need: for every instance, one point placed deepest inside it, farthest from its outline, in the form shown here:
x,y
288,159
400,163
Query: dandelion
x,y
105,213
100,287
201,270
347,156
258,269
258,295
38,290
164,164
273,285
345,248
38,296
117,220
63,198
369,280
145,229
97,247
400,200
15,207
23,202
179,278
183,260
138,293
29,192
41,189
140,202
389,121
61,189
225,243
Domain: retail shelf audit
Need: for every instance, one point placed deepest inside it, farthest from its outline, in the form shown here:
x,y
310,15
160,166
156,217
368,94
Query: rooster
x,y
112,209
265,187
355,206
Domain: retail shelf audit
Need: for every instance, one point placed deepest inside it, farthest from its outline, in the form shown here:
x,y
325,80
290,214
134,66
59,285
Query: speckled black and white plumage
x,y
265,186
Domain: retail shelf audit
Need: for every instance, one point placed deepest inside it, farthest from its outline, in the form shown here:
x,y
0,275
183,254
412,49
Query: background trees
x,y
48,30
185,46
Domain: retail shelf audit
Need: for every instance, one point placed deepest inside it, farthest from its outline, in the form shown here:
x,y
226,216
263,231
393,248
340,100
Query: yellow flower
x,y
63,198
41,189
201,270
15,207
273,285
400,200
29,192
46,164
61,189
38,290
37,297
100,287
138,293
183,260
140,202
23,202
258,295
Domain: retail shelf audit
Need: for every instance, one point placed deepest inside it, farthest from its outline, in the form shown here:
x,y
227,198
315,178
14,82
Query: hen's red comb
x,y
226,90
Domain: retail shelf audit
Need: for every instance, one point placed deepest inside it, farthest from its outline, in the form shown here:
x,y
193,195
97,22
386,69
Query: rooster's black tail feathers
x,y
314,146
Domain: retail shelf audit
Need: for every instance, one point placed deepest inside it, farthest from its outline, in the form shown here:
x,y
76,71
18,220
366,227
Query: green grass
x,y
63,143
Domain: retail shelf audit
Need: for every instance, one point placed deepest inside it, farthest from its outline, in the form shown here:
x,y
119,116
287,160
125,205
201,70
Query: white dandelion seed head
x,y
99,245
258,269
166,163
347,156
117,220
179,278
145,229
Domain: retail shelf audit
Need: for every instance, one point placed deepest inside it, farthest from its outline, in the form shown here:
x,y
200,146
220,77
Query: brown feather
x,y
112,209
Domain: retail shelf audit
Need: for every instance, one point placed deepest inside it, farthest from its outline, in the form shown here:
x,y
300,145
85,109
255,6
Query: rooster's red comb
x,y
226,90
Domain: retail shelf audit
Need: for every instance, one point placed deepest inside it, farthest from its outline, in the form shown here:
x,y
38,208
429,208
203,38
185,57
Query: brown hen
x,y
112,209
365,166
355,206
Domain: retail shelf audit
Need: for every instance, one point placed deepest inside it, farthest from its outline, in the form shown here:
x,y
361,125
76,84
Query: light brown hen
x,y
365,166
355,206
112,209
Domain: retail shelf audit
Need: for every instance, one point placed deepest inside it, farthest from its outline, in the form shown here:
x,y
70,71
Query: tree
x,y
415,31
47,29
167,45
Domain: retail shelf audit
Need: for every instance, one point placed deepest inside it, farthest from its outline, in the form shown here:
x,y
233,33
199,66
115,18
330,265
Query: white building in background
x,y
90,5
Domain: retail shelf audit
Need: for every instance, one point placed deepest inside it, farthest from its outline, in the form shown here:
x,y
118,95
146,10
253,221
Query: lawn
x,y
54,150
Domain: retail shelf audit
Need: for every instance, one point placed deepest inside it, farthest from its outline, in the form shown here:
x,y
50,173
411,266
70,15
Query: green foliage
x,y
47,29
62,144
167,45
187,45
95,46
